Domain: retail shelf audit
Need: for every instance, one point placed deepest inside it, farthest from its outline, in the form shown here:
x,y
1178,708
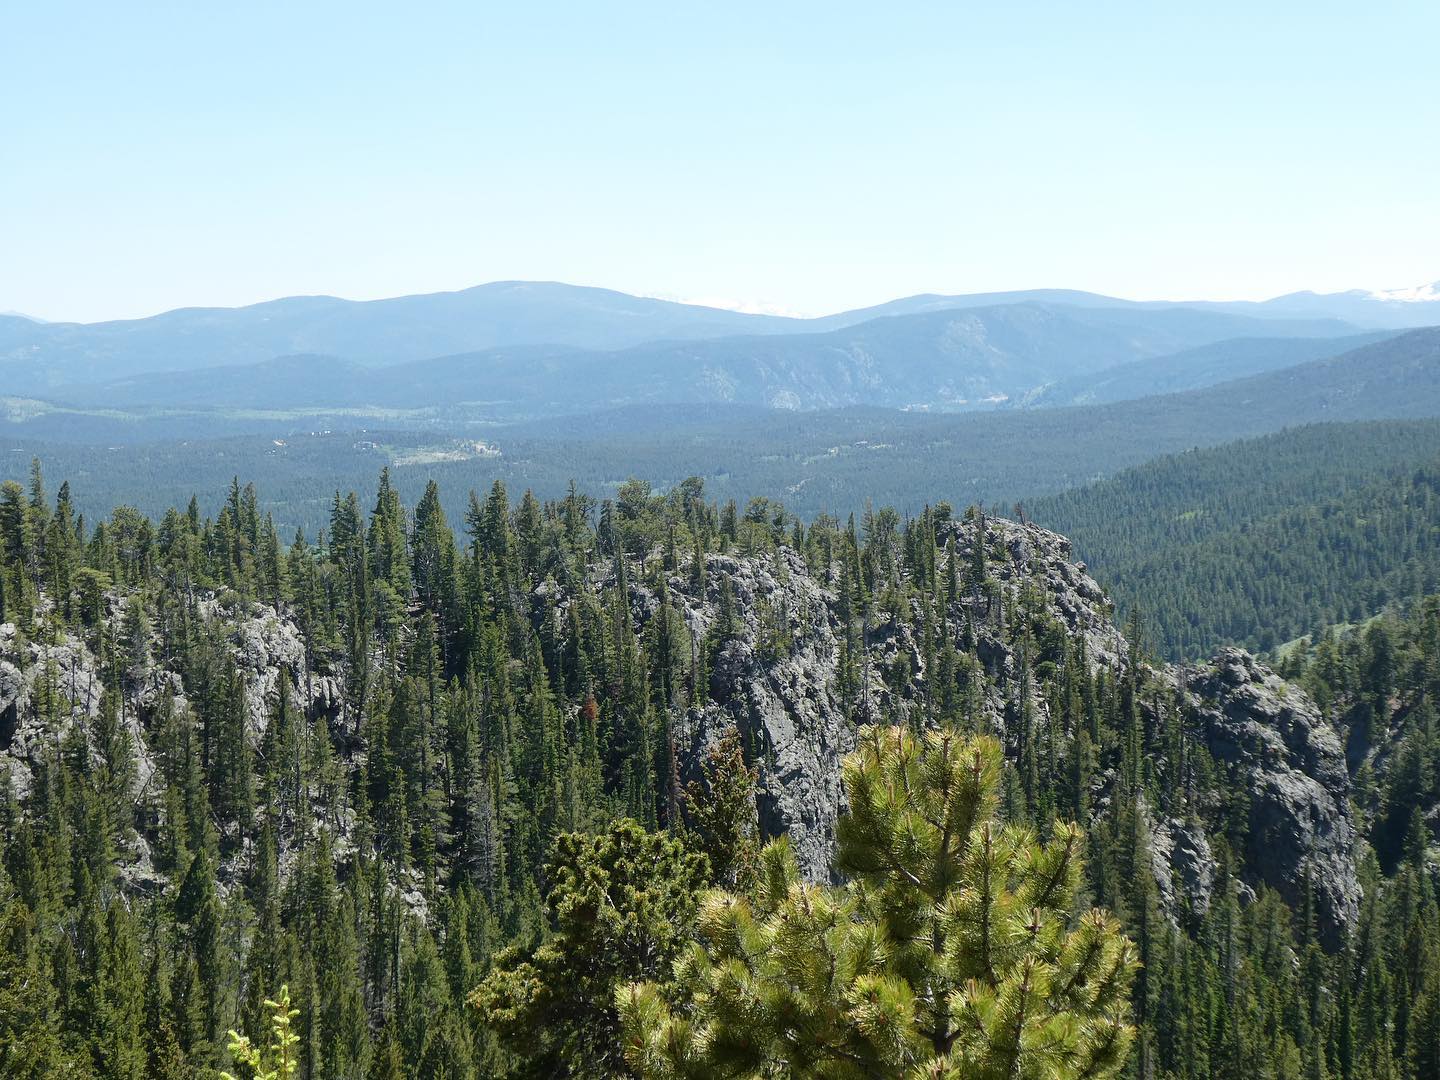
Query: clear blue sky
x,y
813,156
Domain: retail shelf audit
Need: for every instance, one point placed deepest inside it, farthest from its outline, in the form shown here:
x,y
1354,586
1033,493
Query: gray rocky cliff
x,y
51,689
1267,735
776,679
1290,765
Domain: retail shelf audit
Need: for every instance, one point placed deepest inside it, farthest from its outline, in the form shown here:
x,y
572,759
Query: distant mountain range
x,y
949,360
37,356
379,331
1386,310
1390,308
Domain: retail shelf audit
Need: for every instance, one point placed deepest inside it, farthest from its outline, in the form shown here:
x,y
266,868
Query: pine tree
x,y
30,1044
508,693
617,910
949,953
720,814
278,1059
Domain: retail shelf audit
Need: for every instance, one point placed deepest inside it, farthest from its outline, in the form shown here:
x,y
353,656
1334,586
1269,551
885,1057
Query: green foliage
x,y
30,1043
278,1060
618,905
1381,683
371,821
720,817
1260,542
952,950
831,460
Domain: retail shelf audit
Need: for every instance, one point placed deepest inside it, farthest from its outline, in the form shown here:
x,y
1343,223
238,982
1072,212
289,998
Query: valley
x,y
341,672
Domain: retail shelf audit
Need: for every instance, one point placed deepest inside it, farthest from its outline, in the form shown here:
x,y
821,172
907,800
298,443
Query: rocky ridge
x,y
776,680
264,643
1266,735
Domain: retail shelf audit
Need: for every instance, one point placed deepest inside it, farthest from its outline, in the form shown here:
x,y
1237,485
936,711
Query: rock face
x,y
45,690
1290,763
264,643
783,700
1266,734
1183,865
789,701
776,678
64,678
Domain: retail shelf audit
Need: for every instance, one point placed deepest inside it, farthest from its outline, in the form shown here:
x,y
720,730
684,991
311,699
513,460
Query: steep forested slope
x,y
343,765
1264,540
1193,369
1381,683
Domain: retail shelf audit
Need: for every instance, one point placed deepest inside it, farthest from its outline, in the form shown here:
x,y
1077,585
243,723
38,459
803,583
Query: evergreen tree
x,y
278,1059
951,951
617,909
374,832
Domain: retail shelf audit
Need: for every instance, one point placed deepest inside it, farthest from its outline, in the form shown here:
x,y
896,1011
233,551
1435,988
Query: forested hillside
x,y
1379,684
457,788
825,461
1265,540
1194,369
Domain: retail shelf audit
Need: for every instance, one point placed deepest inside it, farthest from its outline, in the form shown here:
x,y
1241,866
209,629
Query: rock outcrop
x,y
1290,764
48,687
1183,865
789,702
1267,735
776,678
264,643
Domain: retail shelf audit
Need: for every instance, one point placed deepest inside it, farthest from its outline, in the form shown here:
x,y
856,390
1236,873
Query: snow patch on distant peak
x,y
1419,294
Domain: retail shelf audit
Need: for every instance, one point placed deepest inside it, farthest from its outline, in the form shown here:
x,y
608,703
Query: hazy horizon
x,y
755,306
806,159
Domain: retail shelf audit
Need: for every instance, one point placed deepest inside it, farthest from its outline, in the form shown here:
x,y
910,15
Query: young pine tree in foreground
x,y
951,951
280,1060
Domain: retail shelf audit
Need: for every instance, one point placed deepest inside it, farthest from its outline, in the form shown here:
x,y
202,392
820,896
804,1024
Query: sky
x,y
787,156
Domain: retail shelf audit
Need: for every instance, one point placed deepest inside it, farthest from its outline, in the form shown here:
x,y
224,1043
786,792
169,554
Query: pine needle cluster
x,y
279,1060
953,949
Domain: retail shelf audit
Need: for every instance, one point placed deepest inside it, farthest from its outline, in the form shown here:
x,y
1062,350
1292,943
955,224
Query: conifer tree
x,y
953,950
720,815
278,1059
619,905
30,1044
377,832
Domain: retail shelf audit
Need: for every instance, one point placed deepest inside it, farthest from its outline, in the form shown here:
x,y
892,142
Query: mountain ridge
x,y
1197,368
943,359
389,329
36,355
